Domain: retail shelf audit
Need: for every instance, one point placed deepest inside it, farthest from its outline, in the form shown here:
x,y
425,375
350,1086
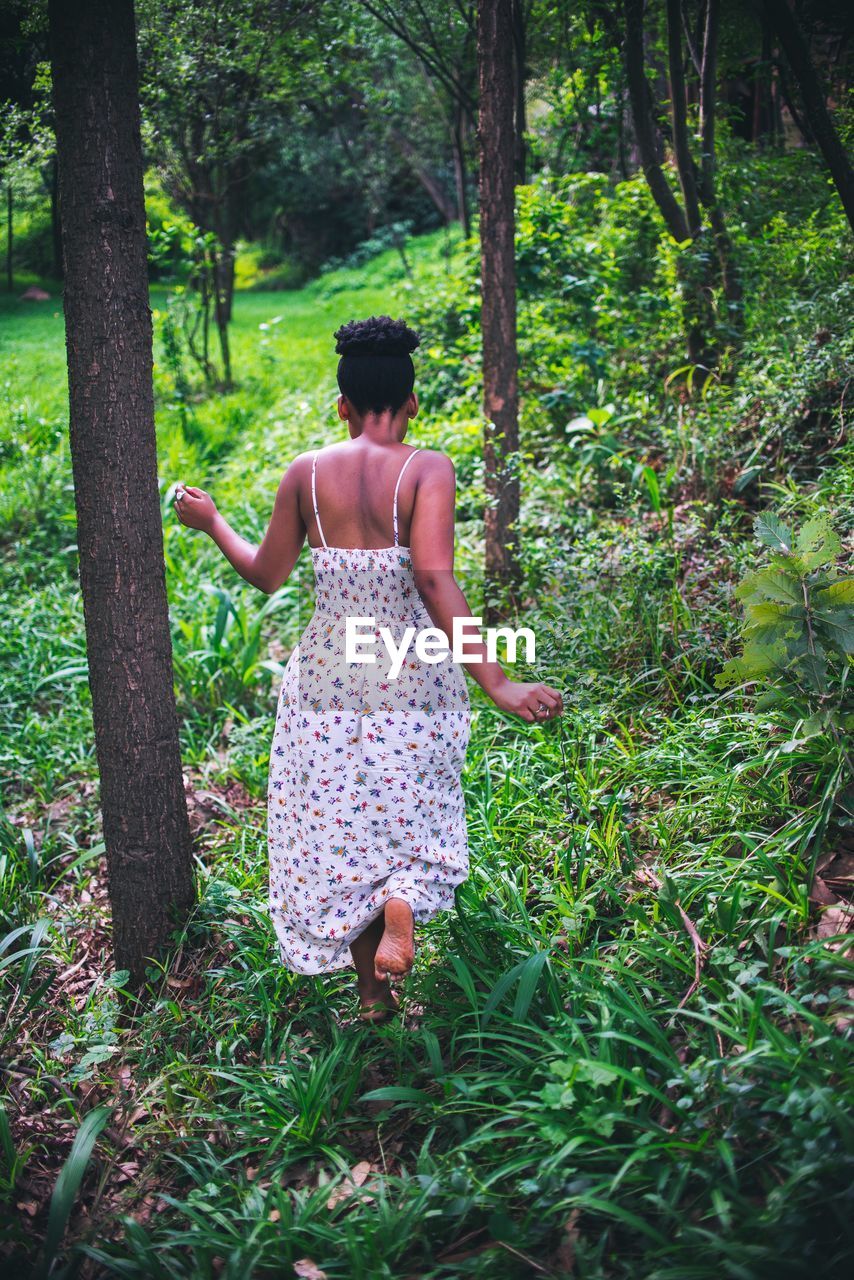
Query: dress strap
x,y
314,497
396,487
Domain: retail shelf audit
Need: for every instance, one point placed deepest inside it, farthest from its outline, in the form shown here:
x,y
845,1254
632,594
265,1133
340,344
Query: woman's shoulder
x,y
436,462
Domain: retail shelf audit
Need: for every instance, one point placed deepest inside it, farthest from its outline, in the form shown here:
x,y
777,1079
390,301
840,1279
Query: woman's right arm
x,y
431,541
270,564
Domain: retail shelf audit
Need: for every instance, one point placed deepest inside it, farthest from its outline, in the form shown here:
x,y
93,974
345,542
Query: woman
x,y
366,821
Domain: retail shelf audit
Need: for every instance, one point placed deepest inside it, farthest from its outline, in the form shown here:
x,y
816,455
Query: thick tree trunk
x,y
496,136
114,463
782,21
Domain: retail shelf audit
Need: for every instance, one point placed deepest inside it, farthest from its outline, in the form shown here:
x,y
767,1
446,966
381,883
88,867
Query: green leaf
x,y
399,1093
837,627
595,1073
816,543
68,1183
835,594
813,670
750,587
771,530
528,979
757,661
778,586
600,416
769,621
745,478
651,481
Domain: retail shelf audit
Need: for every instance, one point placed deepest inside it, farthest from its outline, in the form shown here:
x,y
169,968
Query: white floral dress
x,y
364,800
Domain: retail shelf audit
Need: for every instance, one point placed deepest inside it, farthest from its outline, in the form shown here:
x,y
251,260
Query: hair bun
x,y
376,336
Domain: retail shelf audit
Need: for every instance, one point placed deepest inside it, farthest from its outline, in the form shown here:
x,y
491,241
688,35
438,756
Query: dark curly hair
x,y
375,371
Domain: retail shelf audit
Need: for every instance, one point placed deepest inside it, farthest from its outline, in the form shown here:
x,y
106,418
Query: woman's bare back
x,y
355,483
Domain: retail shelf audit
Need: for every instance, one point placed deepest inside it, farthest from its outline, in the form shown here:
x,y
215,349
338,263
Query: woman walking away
x,y
366,821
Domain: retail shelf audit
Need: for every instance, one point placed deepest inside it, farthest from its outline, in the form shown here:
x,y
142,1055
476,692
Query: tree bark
x,y
496,136
114,464
784,23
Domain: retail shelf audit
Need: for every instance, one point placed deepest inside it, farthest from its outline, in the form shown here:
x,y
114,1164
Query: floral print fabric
x,y
364,800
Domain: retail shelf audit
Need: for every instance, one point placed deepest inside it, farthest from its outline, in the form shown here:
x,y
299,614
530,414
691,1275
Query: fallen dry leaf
x,y
355,1179
821,895
834,921
565,1256
308,1270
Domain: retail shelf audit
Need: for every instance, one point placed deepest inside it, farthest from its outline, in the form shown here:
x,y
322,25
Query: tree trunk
x,y
114,464
781,20
496,135
679,119
223,281
762,125
644,122
458,144
730,281
444,205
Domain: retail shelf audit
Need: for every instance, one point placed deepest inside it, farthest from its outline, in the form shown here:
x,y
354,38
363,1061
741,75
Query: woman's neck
x,y
380,428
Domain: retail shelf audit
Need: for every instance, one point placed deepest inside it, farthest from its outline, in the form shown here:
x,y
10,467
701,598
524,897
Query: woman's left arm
x,y
269,565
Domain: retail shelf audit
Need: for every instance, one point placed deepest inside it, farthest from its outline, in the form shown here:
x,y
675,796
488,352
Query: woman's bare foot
x,y
377,1002
396,951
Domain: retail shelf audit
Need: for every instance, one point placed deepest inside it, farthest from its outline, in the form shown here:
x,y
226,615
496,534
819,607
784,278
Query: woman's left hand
x,y
194,507
531,701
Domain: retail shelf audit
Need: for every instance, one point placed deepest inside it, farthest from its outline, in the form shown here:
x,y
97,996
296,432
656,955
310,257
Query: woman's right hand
x,y
195,507
531,702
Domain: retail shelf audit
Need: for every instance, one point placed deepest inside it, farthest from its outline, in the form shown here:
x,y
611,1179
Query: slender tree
x,y
699,216
442,38
783,22
497,143
214,87
114,464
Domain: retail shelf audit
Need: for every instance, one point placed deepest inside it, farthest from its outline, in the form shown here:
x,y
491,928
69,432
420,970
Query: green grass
x,y
558,1099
